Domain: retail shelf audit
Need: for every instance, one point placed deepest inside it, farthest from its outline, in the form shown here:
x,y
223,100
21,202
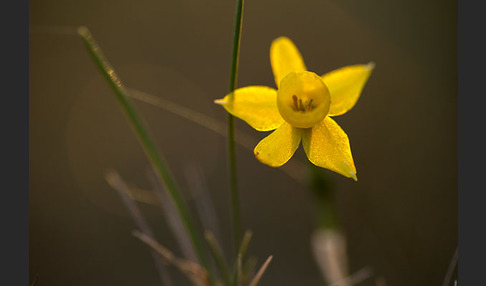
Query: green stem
x,y
323,197
235,204
218,257
157,161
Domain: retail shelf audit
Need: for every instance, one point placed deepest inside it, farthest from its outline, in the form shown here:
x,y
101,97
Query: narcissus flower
x,y
301,110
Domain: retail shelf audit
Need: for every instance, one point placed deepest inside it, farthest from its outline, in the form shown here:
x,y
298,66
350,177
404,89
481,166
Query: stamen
x,y
309,105
296,104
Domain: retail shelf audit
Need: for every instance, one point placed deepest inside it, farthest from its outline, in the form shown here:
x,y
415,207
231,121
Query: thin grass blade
x,y
174,221
235,203
155,158
245,241
237,275
355,278
218,257
260,272
147,197
201,195
450,269
248,269
193,271
192,115
329,249
117,183
294,168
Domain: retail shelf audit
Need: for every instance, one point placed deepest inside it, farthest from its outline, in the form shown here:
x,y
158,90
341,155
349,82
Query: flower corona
x,y
303,99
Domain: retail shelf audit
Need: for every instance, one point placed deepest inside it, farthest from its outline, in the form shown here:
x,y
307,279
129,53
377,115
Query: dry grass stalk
x,y
193,271
329,248
172,217
450,269
202,198
143,196
117,183
260,272
355,278
293,168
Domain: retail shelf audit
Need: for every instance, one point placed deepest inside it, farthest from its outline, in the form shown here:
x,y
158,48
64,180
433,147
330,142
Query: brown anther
x,y
309,105
301,106
296,102
298,105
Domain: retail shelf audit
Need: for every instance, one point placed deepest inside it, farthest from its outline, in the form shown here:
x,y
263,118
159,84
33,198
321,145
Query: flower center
x,y
298,106
303,99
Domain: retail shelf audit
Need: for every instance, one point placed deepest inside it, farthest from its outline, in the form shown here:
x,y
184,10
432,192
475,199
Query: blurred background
x,y
400,218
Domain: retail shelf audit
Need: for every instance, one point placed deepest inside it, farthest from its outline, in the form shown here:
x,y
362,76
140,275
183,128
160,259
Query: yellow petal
x,y
277,148
285,58
327,146
345,85
257,105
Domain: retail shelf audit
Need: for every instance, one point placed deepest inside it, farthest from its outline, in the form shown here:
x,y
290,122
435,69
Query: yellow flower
x,y
301,110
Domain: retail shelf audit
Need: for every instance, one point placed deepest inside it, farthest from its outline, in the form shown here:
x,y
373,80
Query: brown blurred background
x,y
400,217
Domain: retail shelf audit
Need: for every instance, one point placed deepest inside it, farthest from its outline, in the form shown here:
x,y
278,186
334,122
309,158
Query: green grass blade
x,y
244,244
157,161
235,204
218,257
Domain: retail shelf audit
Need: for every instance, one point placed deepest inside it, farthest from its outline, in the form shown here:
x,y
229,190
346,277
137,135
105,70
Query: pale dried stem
x,y
218,256
144,196
245,241
450,269
202,198
329,248
173,219
117,183
260,272
356,278
294,168
193,271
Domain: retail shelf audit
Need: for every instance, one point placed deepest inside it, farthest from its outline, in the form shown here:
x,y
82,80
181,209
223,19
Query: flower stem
x,y
157,161
324,198
235,204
